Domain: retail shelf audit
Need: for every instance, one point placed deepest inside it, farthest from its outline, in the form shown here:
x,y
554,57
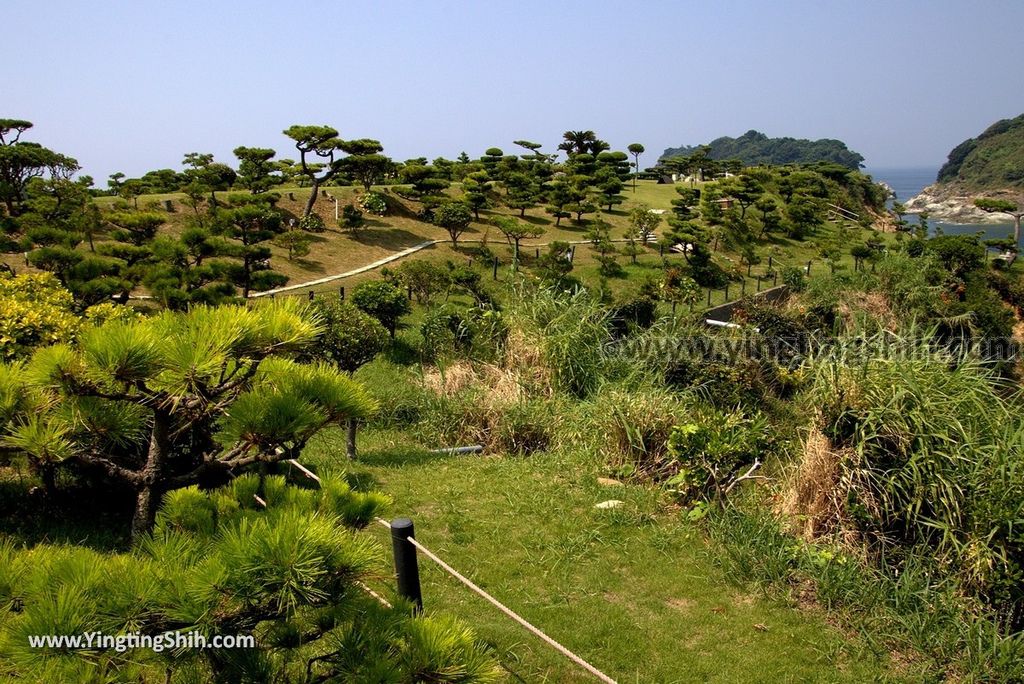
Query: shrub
x,y
795,278
636,313
35,310
383,301
312,223
711,453
375,203
352,218
424,278
350,337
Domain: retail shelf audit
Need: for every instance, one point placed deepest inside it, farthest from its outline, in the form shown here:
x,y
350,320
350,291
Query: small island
x,y
754,148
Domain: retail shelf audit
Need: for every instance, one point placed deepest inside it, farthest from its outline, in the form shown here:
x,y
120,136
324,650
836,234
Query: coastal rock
x,y
948,203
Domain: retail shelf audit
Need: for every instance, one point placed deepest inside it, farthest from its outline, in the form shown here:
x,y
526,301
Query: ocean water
x,y
907,183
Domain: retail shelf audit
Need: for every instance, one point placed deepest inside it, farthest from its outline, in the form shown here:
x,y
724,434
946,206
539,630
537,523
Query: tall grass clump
x,y
564,331
912,613
931,457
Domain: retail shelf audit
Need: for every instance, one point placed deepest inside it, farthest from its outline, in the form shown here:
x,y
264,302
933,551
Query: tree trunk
x,y
350,438
312,199
150,490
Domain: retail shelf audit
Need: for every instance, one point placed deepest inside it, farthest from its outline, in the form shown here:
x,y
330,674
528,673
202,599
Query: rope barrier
x,y
469,583
507,611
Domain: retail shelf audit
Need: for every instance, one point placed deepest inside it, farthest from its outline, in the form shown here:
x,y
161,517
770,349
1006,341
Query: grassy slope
x,y
997,160
336,251
633,590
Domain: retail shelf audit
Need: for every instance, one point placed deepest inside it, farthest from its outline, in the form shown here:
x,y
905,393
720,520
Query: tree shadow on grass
x,y
76,517
389,238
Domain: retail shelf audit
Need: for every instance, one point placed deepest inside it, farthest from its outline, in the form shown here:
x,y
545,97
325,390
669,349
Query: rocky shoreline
x,y
945,202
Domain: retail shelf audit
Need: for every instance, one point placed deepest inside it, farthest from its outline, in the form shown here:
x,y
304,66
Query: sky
x,y
133,86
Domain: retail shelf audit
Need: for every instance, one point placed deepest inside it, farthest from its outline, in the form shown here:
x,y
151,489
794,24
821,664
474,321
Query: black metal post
x,y
410,293
341,293
709,296
661,250
538,252
311,295
808,267
407,569
495,268
775,278
743,288
727,292
769,262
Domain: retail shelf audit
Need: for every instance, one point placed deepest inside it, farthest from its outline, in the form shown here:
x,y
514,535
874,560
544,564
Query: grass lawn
x,y
633,590
336,251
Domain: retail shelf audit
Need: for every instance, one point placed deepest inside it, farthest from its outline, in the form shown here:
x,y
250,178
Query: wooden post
x,y
769,262
312,295
495,268
775,279
808,267
748,270
727,292
350,438
341,293
743,288
410,293
709,296
538,252
407,570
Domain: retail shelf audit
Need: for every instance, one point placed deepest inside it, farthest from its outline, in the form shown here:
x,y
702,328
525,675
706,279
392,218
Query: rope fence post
x,y
411,541
407,571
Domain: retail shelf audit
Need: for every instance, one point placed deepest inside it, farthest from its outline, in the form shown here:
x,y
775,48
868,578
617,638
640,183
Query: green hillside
x,y
992,161
754,148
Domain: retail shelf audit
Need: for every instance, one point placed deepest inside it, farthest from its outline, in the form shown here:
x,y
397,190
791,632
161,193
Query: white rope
x,y
383,601
305,471
508,611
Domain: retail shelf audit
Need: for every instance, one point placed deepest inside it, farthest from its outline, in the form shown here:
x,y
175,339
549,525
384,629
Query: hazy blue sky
x,y
132,86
